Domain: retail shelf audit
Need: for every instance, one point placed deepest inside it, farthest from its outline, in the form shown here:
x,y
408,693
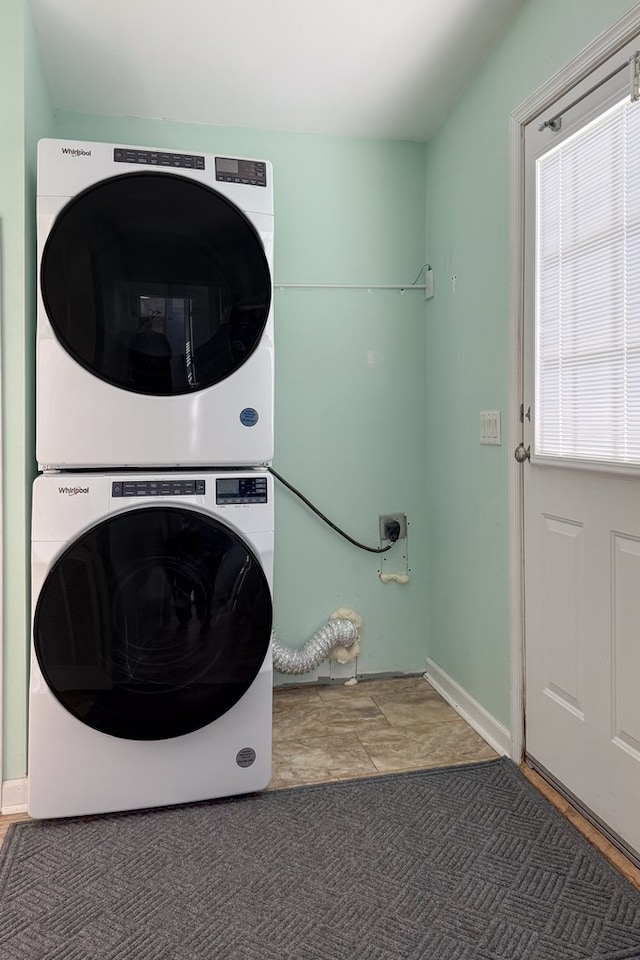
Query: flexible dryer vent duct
x,y
338,639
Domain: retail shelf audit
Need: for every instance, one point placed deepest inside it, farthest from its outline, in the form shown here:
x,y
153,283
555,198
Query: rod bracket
x,y
634,65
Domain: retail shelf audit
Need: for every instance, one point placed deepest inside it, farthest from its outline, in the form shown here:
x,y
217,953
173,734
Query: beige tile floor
x,y
336,732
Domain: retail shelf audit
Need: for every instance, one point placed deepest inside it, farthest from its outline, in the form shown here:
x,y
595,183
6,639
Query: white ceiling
x,y
363,68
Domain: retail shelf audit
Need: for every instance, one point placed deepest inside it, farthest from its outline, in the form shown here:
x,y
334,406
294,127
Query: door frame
x,y
604,46
2,543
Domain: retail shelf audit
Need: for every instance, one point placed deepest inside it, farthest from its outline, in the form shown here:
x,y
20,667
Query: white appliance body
x,y
188,261
101,658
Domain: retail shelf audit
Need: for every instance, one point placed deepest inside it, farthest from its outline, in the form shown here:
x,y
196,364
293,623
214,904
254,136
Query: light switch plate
x,y
490,430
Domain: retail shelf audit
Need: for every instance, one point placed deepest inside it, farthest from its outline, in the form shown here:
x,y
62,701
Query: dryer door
x,y
153,623
156,283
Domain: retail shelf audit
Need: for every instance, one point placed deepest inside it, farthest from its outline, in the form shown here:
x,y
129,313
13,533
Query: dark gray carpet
x,y
461,863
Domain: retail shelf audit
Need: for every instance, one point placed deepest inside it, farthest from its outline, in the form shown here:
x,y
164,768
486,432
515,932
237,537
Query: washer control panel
x,y
241,490
158,488
156,158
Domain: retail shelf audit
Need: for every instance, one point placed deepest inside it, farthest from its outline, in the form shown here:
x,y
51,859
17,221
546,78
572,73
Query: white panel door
x,y
582,493
582,584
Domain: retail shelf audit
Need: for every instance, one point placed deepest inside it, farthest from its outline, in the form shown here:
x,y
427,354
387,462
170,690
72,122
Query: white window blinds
x,y
588,292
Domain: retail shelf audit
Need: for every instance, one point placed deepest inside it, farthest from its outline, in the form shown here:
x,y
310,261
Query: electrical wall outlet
x,y
400,518
393,564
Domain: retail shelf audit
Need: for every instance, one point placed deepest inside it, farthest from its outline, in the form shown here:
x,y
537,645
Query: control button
x,y
116,490
201,487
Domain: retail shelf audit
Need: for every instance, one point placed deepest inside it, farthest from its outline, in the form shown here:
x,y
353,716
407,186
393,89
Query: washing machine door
x,y
156,283
153,623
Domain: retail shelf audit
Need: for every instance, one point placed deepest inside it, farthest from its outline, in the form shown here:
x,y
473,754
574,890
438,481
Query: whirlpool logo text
x,y
73,491
74,152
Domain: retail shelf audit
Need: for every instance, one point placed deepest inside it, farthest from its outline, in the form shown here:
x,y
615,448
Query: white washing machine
x,y
151,674
155,317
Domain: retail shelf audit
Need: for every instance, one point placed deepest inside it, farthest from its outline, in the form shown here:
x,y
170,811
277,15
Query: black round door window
x,y
153,623
156,283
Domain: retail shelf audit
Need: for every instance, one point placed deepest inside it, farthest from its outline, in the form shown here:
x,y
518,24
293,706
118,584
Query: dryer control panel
x,y
241,490
250,172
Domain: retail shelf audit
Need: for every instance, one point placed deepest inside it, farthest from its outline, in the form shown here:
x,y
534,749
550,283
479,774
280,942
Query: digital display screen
x,y
228,487
224,165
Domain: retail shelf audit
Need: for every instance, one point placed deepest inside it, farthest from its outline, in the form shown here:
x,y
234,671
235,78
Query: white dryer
x,y
151,674
155,319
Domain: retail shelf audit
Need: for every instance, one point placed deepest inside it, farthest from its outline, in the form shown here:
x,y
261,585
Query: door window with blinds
x,y
585,188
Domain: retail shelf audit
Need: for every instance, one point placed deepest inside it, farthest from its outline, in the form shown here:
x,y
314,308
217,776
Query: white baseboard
x,y
14,796
483,722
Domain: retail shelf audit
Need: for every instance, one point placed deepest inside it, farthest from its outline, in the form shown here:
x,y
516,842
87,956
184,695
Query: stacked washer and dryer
x,y
153,522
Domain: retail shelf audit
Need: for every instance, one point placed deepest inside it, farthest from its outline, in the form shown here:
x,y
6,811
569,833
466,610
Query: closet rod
x,y
352,286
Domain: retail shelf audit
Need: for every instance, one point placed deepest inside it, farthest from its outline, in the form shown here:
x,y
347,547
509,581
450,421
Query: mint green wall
x,y
467,343
38,123
25,114
12,319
